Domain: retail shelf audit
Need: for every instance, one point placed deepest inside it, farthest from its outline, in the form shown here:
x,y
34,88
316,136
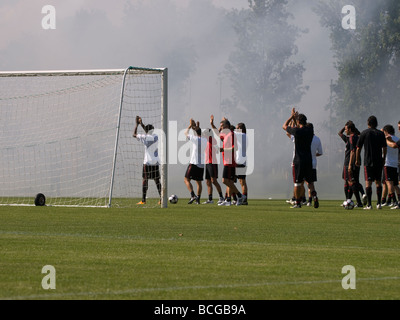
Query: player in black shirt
x,y
375,148
302,162
351,173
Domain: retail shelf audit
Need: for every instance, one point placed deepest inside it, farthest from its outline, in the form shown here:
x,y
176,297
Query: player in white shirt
x,y
241,142
390,169
195,169
151,162
316,151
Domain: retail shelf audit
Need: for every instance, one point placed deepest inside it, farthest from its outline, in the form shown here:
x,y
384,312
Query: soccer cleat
x,y
221,200
309,204
141,203
384,204
192,199
316,203
364,199
225,203
239,201
358,205
296,206
368,208
395,207
379,206
208,202
197,201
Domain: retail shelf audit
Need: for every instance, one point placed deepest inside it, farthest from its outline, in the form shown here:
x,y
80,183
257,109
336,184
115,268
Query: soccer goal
x,y
68,135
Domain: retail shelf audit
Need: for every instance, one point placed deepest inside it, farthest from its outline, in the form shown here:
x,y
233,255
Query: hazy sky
x,y
94,34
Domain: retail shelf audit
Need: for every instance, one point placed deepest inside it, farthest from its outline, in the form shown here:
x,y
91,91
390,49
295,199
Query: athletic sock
x,y
210,197
192,194
379,191
368,191
356,194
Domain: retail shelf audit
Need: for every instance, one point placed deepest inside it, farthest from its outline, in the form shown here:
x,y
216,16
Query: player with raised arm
x,y
303,170
151,169
195,169
211,174
375,148
228,155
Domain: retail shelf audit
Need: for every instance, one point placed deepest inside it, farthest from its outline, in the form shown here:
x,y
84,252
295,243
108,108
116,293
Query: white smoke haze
x,y
193,39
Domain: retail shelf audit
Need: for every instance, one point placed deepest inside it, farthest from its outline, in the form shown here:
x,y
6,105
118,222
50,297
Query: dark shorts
x,y
194,172
150,172
373,173
390,174
241,171
313,176
302,172
229,173
354,176
211,171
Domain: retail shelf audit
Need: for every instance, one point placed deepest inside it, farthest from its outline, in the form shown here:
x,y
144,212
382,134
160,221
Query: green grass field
x,y
264,251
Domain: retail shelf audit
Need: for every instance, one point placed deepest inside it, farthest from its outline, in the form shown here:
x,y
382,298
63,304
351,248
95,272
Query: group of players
x,y
203,161
381,162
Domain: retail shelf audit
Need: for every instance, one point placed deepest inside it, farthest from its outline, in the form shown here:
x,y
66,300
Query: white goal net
x,y
69,136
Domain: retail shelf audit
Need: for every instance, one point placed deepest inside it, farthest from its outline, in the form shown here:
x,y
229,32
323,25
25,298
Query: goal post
x,y
68,135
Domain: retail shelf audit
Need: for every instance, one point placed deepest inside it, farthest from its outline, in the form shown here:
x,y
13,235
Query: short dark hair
x,y
373,122
302,119
311,126
242,127
148,128
198,131
226,123
350,124
389,129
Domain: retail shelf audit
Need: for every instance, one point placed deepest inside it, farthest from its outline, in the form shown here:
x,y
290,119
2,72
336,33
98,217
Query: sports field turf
x,y
264,251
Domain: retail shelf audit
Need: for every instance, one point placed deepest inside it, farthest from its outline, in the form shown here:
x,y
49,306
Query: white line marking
x,y
227,286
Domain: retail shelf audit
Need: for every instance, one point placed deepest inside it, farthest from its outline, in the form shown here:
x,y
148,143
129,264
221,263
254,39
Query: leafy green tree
x,y
367,59
264,77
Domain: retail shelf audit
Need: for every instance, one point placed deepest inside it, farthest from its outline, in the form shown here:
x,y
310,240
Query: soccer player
x,y
241,158
151,162
228,155
303,170
195,169
394,144
391,165
212,168
375,148
351,173
316,151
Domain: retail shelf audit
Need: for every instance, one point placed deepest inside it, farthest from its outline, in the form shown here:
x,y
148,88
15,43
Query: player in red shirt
x,y
228,155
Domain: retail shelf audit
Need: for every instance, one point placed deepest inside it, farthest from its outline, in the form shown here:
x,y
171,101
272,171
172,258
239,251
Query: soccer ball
x,y
173,199
348,204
